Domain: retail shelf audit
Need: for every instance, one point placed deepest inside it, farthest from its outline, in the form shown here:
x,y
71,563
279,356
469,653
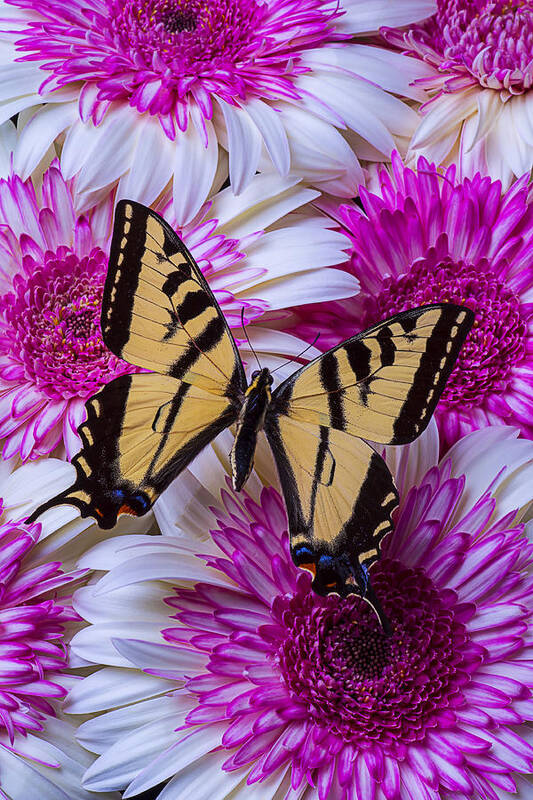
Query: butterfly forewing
x,y
142,430
158,311
383,384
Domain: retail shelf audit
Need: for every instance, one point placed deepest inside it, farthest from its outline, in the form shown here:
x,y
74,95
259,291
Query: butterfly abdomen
x,y
249,423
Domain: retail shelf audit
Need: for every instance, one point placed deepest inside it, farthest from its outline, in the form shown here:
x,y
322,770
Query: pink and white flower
x,y
427,237
147,90
39,756
254,252
223,674
480,59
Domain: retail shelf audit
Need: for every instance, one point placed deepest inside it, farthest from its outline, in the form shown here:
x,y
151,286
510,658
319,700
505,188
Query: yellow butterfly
x,y
142,430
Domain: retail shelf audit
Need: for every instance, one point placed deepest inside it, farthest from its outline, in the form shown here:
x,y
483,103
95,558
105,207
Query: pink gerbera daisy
x,y
480,57
426,237
54,264
147,90
38,756
241,682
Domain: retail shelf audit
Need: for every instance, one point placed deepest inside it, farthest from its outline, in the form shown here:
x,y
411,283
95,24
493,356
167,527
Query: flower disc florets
x,y
52,320
498,337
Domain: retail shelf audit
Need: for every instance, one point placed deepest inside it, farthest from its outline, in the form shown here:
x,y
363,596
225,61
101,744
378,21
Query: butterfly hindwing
x,y
339,496
141,432
158,311
383,384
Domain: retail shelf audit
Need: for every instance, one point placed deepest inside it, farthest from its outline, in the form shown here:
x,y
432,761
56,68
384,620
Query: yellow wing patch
x,y
383,384
158,311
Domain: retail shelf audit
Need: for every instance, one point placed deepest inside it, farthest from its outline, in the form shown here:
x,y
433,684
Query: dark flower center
x,y
175,19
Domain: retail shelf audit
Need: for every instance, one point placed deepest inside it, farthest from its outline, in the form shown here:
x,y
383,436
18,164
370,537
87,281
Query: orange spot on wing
x,y
125,509
310,567
98,513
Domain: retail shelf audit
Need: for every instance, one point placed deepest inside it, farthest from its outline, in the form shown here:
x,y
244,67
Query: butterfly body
x,y
250,421
142,430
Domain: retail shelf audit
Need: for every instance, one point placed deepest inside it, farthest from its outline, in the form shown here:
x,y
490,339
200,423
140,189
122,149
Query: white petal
x,y
205,780
187,501
178,662
444,116
194,170
189,749
124,760
151,165
496,143
18,79
46,477
244,145
35,138
355,101
8,140
269,124
19,779
304,245
489,108
158,566
145,602
266,199
319,153
76,148
410,463
110,553
110,687
94,643
517,152
364,16
102,732
312,286
394,72
9,109
111,149
488,458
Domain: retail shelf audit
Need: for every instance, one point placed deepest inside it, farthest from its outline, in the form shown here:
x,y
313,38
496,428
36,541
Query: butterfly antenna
x,y
315,340
371,598
438,174
247,338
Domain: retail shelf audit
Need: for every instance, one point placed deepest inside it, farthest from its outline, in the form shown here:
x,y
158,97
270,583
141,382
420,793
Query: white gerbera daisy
x,y
39,756
147,90
480,111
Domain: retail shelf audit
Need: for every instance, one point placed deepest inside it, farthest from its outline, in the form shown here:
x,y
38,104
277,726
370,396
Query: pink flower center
x,y
363,685
492,39
190,36
52,324
495,343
